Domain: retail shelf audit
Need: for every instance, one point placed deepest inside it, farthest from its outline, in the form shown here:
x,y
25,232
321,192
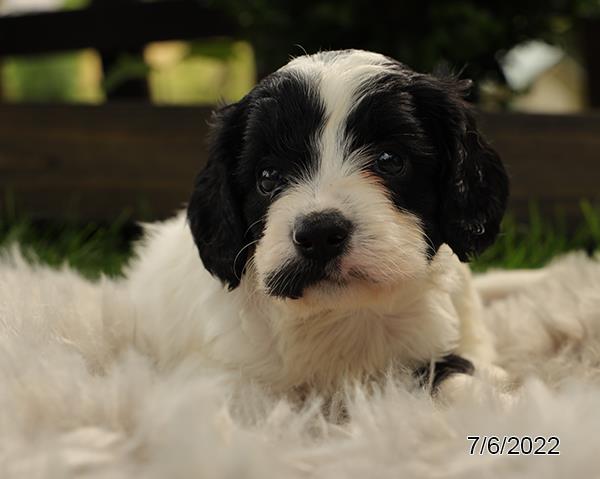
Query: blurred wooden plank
x,y
96,161
111,26
551,159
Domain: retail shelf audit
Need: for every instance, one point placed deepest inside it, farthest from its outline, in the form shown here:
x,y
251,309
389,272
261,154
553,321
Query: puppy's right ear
x,y
214,211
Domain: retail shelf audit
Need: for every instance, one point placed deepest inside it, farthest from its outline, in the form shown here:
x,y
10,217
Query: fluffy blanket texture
x,y
73,403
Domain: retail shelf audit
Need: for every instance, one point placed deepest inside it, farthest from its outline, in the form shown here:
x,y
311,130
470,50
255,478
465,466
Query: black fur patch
x,y
443,369
455,182
386,121
292,279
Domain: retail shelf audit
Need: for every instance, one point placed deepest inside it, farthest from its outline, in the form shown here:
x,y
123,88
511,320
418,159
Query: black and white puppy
x,y
340,197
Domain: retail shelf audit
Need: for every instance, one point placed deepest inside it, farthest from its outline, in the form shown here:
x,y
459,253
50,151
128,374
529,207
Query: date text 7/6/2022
x,y
514,445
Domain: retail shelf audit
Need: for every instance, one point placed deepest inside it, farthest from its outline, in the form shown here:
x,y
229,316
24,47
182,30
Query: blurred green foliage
x,y
75,4
534,243
90,248
127,67
463,34
587,8
41,78
206,71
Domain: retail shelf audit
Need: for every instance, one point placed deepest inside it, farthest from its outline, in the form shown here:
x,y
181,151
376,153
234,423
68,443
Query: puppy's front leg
x,y
470,368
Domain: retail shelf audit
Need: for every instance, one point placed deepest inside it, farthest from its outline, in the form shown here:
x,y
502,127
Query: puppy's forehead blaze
x,y
305,118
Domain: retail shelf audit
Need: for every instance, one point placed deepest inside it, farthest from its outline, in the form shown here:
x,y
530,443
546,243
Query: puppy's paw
x,y
486,386
456,378
458,387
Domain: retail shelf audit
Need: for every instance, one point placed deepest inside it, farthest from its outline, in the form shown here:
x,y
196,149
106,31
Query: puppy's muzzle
x,y
322,236
319,239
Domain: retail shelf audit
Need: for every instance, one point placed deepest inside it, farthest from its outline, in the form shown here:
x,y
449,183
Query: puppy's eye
x,y
269,181
390,164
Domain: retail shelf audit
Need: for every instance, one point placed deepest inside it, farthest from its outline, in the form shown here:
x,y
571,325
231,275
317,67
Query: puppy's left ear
x,y
473,181
214,210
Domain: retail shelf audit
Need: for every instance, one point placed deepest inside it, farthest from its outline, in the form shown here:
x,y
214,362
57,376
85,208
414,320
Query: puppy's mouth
x,y
292,280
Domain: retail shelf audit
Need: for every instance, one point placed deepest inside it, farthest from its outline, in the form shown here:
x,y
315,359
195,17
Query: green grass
x,y
95,249
91,248
534,243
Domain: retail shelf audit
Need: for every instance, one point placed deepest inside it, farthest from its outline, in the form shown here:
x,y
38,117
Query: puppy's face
x,y
341,174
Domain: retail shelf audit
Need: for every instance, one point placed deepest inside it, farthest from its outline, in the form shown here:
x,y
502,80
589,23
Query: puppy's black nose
x,y
322,236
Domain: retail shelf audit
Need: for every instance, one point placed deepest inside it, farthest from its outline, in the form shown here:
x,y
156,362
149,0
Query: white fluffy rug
x,y
67,409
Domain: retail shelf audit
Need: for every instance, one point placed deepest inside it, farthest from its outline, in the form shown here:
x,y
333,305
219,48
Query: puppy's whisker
x,y
261,219
238,255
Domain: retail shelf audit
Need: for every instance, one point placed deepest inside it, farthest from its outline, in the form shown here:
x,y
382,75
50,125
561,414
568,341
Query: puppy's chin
x,y
312,290
338,296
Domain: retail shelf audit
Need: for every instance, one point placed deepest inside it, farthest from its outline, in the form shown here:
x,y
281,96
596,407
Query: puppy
x,y
340,198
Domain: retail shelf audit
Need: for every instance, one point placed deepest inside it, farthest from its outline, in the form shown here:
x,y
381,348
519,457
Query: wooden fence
x,y
97,161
